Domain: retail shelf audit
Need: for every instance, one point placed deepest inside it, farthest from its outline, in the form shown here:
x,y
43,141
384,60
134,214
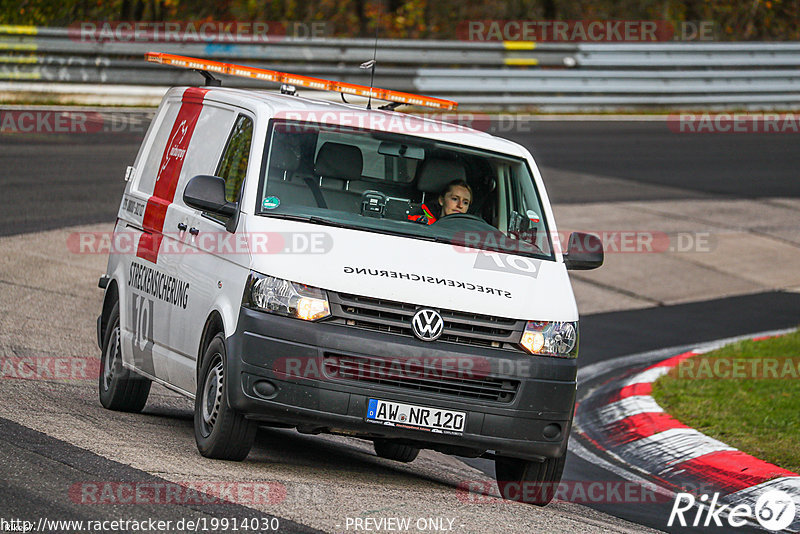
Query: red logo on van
x,y
168,173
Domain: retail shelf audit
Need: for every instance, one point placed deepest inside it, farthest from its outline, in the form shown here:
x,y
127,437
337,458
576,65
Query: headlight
x,y
559,339
282,297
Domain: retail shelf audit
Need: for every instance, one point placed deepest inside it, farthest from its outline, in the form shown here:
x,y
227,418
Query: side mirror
x,y
207,193
584,252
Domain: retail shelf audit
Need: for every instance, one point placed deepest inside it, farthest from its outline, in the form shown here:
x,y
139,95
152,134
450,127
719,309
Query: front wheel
x,y
220,432
120,389
529,481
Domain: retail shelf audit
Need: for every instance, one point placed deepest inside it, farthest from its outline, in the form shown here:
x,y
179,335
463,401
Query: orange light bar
x,y
303,81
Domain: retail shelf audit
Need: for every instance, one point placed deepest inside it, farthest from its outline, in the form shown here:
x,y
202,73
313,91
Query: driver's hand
x,y
420,219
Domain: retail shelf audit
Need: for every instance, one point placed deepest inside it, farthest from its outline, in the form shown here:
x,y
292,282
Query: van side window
x,y
233,165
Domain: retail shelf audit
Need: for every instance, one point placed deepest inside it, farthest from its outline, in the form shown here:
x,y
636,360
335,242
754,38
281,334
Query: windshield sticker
x,y
429,280
491,261
270,203
533,216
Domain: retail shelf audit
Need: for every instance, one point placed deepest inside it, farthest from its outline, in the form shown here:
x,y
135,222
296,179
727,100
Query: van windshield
x,y
402,185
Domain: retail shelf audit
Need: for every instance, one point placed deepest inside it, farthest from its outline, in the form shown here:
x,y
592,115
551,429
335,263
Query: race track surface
x,y
53,182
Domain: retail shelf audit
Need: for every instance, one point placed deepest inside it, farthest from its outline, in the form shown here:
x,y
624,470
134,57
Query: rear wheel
x,y
220,431
120,389
395,451
529,481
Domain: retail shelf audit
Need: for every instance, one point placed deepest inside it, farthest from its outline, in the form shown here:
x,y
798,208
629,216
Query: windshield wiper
x,y
315,219
307,218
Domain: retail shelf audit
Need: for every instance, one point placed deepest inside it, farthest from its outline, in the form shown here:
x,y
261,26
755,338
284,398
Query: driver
x,y
455,198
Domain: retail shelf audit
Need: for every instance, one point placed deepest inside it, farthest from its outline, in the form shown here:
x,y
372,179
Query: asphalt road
x,y
40,470
53,182
648,153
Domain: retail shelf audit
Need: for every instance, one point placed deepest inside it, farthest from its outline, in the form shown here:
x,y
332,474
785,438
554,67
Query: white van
x,y
291,262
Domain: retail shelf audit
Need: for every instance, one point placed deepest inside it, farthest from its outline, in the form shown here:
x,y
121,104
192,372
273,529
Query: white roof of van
x,y
314,110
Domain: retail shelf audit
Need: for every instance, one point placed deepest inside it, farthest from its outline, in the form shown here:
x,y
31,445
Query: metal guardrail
x,y
492,75
689,55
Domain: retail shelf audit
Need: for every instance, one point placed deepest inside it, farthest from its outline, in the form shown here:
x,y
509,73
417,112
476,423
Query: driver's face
x,y
456,200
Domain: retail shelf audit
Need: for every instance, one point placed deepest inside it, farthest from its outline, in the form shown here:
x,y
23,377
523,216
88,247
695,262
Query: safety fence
x,y
489,75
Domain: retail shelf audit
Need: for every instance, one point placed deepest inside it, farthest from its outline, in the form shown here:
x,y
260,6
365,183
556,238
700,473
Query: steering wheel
x,y
465,216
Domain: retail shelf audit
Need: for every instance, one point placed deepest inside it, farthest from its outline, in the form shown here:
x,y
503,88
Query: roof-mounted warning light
x,y
205,67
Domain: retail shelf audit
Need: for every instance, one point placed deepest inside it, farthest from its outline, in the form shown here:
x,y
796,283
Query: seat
x,y
337,160
336,166
433,176
284,158
284,161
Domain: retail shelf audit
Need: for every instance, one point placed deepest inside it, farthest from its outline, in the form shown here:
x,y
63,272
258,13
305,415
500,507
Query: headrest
x,y
337,160
435,174
284,155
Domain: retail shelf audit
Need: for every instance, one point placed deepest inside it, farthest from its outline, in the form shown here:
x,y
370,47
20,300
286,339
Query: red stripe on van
x,y
169,172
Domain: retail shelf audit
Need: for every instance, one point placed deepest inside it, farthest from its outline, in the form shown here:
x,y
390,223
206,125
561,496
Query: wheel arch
x,y
110,298
213,326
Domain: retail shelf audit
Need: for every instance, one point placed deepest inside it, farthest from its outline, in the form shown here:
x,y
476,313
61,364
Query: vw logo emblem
x,y
427,325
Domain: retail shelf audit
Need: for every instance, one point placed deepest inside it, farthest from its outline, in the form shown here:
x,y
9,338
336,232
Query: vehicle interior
x,y
343,173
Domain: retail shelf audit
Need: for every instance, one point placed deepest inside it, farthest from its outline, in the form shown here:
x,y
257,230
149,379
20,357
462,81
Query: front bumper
x,y
262,390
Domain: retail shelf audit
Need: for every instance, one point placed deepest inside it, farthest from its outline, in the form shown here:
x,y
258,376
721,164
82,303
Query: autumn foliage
x,y
764,20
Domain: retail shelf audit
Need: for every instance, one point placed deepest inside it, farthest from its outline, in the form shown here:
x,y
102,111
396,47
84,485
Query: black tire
x,y
392,450
220,432
120,389
529,481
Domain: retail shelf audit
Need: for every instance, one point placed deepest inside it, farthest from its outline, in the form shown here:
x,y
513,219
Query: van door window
x,y
233,164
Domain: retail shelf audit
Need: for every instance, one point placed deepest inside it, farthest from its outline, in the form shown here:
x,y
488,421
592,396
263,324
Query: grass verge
x,y
746,395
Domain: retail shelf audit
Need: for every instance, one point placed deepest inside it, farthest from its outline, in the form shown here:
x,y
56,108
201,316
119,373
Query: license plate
x,y
416,417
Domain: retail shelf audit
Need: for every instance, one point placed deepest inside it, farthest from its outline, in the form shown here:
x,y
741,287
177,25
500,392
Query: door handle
x,y
194,231
182,227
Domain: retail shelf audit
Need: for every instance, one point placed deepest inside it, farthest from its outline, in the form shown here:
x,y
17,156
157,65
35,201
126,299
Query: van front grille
x,y
395,318
414,375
